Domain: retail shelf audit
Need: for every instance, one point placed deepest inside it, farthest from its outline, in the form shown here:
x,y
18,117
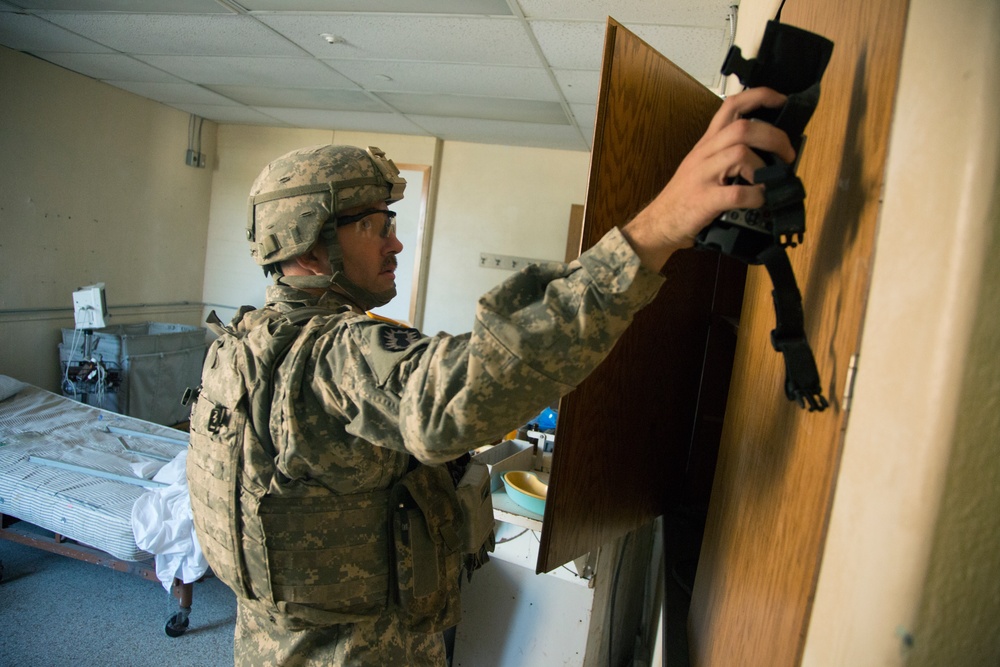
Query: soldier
x,y
316,422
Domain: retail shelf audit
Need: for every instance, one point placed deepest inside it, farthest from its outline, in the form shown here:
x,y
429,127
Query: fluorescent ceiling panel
x,y
162,34
267,72
430,38
487,108
301,98
484,80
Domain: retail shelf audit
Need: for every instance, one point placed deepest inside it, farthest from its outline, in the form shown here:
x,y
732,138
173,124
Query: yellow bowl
x,y
525,489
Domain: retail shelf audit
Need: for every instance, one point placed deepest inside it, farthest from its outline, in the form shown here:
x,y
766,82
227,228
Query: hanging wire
x,y
731,17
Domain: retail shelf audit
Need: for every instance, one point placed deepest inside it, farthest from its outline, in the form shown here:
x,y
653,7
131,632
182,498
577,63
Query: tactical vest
x,y
302,556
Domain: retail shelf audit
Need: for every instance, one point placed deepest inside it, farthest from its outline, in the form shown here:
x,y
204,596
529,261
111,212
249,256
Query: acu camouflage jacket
x,y
355,397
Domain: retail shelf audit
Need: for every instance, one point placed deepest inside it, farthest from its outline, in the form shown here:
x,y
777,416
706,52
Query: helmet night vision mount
x,y
792,62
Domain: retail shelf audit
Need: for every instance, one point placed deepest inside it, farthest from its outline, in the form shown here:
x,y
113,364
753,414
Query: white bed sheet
x,y
78,505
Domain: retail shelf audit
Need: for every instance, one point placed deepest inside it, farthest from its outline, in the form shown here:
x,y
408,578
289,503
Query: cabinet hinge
x,y
852,368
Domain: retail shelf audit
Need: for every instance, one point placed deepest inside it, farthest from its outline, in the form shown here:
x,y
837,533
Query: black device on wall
x,y
792,62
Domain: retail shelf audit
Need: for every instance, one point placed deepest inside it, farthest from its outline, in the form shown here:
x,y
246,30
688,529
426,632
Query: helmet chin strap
x,y
340,283
361,297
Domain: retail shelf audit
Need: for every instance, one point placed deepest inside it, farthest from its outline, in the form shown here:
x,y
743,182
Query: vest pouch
x,y
213,465
319,560
425,528
476,505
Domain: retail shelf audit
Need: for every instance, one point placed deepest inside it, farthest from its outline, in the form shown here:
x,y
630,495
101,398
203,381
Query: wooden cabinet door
x,y
625,434
777,464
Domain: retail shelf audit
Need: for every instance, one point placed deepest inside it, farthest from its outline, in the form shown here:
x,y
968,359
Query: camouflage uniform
x,y
352,405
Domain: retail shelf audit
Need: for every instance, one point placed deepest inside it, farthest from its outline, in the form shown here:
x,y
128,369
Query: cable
x,y
69,385
511,539
731,20
535,535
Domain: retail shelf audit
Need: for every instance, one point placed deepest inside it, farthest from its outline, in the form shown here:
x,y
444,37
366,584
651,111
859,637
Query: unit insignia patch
x,y
397,340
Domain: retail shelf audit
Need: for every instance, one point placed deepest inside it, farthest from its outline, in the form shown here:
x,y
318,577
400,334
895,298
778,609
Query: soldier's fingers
x,y
729,128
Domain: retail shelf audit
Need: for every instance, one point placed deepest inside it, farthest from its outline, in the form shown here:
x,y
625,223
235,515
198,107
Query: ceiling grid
x,y
513,72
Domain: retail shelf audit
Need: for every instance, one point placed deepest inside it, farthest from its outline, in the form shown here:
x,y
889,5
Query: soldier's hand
x,y
702,188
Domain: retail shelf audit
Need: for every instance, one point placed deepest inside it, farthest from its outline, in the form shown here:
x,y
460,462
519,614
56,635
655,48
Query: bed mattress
x,y
81,505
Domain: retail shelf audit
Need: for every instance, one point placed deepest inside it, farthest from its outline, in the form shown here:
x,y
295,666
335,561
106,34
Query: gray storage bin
x,y
139,369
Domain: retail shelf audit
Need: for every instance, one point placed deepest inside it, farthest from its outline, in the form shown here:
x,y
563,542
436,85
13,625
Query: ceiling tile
x,y
230,70
482,80
471,70
488,108
345,120
23,32
230,114
711,13
585,115
155,34
490,7
570,44
496,41
172,93
697,51
135,6
579,85
301,98
503,132
104,66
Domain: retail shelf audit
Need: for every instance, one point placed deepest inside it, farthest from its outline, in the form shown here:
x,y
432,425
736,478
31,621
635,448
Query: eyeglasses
x,y
365,225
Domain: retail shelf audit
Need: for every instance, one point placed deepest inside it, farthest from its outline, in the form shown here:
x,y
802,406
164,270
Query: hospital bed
x,y
72,481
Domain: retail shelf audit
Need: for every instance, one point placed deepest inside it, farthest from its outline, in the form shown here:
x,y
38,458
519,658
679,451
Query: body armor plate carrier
x,y
302,556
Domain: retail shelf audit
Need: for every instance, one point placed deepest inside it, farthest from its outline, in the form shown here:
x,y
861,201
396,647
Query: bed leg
x,y
177,624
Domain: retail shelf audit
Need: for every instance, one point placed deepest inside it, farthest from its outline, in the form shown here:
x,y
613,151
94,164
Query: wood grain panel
x,y
777,464
623,435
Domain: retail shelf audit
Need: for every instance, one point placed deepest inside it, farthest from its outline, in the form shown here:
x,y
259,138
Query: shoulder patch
x,y
393,339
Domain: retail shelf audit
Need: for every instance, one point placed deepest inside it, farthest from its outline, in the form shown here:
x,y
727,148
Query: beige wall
x,y
911,570
497,199
94,189
231,277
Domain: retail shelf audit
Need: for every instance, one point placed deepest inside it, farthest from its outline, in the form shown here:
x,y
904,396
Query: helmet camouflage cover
x,y
298,193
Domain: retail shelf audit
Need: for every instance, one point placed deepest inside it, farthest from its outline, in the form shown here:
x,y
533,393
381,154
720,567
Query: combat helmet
x,y
296,199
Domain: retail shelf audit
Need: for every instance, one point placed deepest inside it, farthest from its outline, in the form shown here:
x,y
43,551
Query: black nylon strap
x,y
802,383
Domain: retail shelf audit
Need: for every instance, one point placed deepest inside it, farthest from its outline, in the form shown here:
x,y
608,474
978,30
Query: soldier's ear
x,y
314,261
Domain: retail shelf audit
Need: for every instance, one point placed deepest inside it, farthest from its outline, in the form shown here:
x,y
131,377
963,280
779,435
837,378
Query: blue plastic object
x,y
546,419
